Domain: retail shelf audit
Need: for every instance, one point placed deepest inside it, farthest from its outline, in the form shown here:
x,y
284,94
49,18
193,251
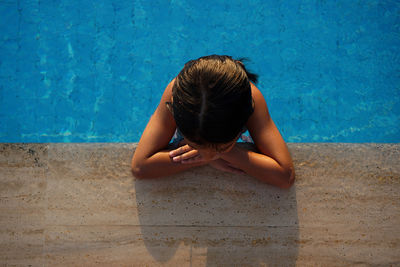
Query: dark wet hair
x,y
212,99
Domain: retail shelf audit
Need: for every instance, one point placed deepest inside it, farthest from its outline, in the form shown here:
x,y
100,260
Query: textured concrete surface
x,y
78,204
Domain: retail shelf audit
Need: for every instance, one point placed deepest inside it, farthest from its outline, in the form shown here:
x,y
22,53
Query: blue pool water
x,y
95,71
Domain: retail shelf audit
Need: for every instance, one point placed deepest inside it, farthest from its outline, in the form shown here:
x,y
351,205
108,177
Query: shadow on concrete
x,y
206,216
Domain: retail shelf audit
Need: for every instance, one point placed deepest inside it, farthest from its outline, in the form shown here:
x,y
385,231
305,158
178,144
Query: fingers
x,y
194,159
187,157
180,150
185,154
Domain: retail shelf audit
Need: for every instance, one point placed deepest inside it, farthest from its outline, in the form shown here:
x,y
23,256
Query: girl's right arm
x,y
151,158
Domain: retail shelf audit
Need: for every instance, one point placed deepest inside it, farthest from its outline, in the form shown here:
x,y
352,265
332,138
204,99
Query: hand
x,y
224,165
187,154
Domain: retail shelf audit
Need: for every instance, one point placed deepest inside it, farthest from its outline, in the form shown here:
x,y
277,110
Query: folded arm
x,y
151,158
272,162
262,167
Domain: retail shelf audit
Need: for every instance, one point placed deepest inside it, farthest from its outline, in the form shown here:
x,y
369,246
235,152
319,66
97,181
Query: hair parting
x,y
212,99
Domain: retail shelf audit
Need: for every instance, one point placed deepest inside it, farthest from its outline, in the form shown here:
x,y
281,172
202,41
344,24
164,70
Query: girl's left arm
x,y
273,165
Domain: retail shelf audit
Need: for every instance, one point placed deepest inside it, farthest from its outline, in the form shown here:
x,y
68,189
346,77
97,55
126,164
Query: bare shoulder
x,y
159,130
264,132
260,117
259,101
162,109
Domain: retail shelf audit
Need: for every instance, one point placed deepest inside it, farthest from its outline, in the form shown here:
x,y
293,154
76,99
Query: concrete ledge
x,y
78,204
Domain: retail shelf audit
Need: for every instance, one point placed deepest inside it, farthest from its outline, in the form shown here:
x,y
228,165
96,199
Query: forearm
x,y
260,166
160,164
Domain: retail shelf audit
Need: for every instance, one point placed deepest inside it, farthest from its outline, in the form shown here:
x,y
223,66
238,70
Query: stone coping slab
x,y
68,204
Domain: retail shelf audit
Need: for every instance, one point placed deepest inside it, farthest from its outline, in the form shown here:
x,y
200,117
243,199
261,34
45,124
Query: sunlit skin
x,y
270,162
192,152
189,153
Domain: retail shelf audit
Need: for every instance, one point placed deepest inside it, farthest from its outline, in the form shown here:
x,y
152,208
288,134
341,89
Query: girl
x,y
207,107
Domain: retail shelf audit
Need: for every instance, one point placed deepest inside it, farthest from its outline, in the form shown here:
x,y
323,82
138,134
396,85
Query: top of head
x,y
212,99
